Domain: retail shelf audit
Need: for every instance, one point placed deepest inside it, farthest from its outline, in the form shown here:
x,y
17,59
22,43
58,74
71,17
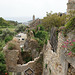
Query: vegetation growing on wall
x,y
11,46
69,26
41,36
70,46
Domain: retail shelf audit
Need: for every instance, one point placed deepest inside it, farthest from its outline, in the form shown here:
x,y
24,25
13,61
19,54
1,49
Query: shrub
x,y
8,38
2,44
46,41
28,31
42,35
41,27
53,20
0,31
20,28
6,32
70,46
2,60
33,32
11,46
41,43
2,64
70,25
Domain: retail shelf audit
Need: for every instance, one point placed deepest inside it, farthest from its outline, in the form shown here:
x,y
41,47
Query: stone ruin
x,y
16,66
70,5
51,61
58,63
48,63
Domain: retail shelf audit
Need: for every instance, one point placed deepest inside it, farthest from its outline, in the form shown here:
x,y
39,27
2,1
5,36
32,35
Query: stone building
x,y
33,17
70,5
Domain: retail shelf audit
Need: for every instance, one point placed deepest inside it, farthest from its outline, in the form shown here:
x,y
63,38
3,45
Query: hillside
x,y
4,23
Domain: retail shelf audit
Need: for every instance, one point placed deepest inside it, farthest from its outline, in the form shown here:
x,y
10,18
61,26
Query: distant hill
x,y
13,23
4,23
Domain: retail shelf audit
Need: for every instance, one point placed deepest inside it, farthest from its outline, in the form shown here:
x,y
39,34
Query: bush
x,y
33,32
41,43
8,38
2,64
53,20
0,31
6,32
2,58
11,46
70,46
2,44
20,28
41,27
42,35
70,25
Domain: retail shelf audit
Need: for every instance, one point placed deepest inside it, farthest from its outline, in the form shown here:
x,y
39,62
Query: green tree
x,y
6,32
53,20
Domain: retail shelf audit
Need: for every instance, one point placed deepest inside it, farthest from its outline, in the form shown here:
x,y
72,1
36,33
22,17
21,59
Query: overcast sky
x,y
26,8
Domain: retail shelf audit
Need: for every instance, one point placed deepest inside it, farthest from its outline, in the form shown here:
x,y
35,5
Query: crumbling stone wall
x,y
70,5
12,56
35,65
51,59
30,46
35,23
57,63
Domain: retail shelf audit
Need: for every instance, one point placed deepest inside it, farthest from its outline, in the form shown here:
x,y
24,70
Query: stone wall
x,y
35,65
57,63
35,23
12,56
70,5
30,46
